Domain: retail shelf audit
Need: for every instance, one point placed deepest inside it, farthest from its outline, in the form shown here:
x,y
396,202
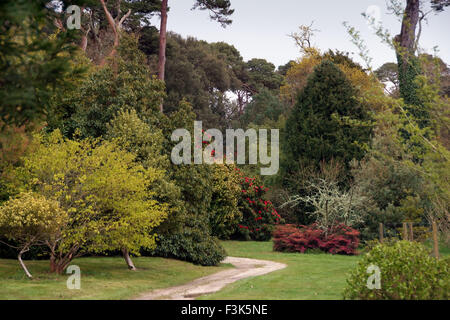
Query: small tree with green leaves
x,y
30,220
104,191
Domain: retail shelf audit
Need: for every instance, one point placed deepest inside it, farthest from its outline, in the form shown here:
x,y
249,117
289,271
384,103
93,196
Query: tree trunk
x,y
126,256
60,261
407,34
24,267
162,41
59,265
116,26
162,45
405,48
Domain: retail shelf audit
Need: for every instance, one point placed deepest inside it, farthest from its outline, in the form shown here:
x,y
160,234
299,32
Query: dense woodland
x,y
87,114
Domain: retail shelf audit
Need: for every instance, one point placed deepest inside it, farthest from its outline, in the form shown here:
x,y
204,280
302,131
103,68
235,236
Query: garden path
x,y
244,268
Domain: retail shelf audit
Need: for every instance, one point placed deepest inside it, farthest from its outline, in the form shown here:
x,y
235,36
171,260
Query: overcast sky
x,y
260,28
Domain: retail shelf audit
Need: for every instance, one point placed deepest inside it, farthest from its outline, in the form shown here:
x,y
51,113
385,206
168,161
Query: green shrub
x,y
407,272
226,191
193,245
186,234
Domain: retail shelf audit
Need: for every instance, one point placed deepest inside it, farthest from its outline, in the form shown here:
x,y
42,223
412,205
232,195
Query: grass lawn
x,y
101,278
307,276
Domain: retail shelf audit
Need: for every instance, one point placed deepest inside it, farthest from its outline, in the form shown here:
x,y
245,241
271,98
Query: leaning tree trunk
x,y
126,256
24,267
162,45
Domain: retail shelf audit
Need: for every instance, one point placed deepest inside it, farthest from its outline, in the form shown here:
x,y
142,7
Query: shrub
x,y
186,234
193,245
224,210
258,214
331,205
339,240
407,272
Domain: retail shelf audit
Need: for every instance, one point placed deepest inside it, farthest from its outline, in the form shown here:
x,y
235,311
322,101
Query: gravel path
x,y
244,268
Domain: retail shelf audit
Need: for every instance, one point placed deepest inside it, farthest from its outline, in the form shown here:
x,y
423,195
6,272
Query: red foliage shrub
x,y
339,240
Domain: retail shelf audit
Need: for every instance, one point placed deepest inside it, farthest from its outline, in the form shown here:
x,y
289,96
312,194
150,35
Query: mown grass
x,y
101,278
307,276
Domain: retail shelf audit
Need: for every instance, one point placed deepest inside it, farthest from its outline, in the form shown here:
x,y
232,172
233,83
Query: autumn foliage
x,y
340,240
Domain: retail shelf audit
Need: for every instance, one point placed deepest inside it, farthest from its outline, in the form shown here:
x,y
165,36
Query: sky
x,y
260,28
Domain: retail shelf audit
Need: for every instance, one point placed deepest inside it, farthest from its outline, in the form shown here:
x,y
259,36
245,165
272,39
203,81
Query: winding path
x,y
244,268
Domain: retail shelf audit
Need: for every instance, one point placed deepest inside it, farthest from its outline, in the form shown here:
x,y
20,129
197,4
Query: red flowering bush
x,y
258,214
339,240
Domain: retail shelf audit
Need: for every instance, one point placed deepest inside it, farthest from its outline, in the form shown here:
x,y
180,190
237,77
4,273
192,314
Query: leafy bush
x,y
186,234
224,210
193,245
407,272
339,240
258,214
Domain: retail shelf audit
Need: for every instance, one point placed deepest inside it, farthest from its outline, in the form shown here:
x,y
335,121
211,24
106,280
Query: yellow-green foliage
x,y
369,89
103,190
407,272
146,142
136,136
31,219
225,214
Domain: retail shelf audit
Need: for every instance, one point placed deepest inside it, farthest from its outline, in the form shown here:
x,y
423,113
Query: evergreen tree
x,y
326,123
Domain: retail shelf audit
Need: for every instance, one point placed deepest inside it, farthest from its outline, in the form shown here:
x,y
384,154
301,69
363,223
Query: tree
x,y
406,46
299,71
326,123
123,84
29,220
200,73
104,192
388,73
186,234
33,60
102,22
264,106
220,11
409,66
262,74
225,214
332,206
